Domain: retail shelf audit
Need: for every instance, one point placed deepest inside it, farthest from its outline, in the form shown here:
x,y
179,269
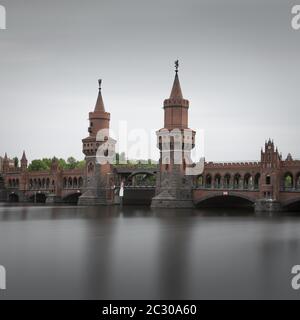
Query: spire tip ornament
x,y
176,66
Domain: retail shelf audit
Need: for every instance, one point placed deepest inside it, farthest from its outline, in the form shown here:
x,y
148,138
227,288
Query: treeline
x,y
45,164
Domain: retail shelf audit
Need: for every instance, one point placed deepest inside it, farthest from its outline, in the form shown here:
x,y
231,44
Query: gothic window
x,y
90,167
268,180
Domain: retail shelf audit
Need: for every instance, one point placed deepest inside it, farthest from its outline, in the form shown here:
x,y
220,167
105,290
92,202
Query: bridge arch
x,y
13,197
292,205
38,197
141,177
220,200
72,198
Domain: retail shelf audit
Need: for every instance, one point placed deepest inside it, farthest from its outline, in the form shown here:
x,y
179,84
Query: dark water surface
x,y
139,253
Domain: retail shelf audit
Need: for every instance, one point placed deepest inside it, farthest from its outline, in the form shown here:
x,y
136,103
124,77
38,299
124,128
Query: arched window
x,y
208,181
217,181
237,181
256,181
47,183
227,180
90,167
75,183
199,181
70,183
80,182
247,181
65,182
268,179
288,181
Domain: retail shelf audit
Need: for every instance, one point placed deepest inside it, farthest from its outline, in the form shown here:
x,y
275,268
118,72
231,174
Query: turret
x,y
5,163
24,162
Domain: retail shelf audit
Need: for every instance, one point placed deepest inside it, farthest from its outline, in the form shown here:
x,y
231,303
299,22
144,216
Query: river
x,y
67,252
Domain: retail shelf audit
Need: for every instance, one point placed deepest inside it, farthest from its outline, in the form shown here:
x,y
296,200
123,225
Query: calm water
x,y
138,253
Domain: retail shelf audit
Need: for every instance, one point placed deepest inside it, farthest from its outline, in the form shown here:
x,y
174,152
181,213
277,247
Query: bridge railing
x,y
231,187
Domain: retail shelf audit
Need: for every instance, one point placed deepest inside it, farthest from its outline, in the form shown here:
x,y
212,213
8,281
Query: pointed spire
x,y
99,104
176,92
24,156
5,156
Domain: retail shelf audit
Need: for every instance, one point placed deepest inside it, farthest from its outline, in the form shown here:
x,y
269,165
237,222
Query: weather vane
x,y
176,65
100,82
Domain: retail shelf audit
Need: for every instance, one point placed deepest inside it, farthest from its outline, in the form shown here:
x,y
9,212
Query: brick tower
x,y
98,177
269,186
175,141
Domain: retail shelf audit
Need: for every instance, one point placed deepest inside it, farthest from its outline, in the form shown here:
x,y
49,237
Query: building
x,y
268,184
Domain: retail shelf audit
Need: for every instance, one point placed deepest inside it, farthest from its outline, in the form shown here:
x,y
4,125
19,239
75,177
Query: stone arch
x,y
72,198
141,178
70,182
47,183
38,197
9,183
13,197
292,205
220,200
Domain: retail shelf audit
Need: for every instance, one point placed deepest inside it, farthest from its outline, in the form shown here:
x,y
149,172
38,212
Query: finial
x,y
100,83
176,66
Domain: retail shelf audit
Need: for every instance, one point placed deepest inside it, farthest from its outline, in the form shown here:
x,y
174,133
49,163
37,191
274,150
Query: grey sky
x,y
239,67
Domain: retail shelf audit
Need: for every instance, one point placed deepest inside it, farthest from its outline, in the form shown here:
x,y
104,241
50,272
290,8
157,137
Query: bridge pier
x,y
52,198
267,205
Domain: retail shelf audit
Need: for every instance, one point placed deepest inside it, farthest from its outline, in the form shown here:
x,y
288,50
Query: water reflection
x,y
65,252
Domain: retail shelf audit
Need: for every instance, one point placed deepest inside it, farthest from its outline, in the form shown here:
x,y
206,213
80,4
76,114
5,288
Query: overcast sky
x,y
239,67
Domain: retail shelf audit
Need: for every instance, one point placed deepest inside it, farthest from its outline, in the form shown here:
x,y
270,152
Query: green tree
x,y
71,163
38,165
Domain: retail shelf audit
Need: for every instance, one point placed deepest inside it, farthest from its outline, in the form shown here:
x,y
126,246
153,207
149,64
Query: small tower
x,y
97,176
269,184
5,163
24,162
175,141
